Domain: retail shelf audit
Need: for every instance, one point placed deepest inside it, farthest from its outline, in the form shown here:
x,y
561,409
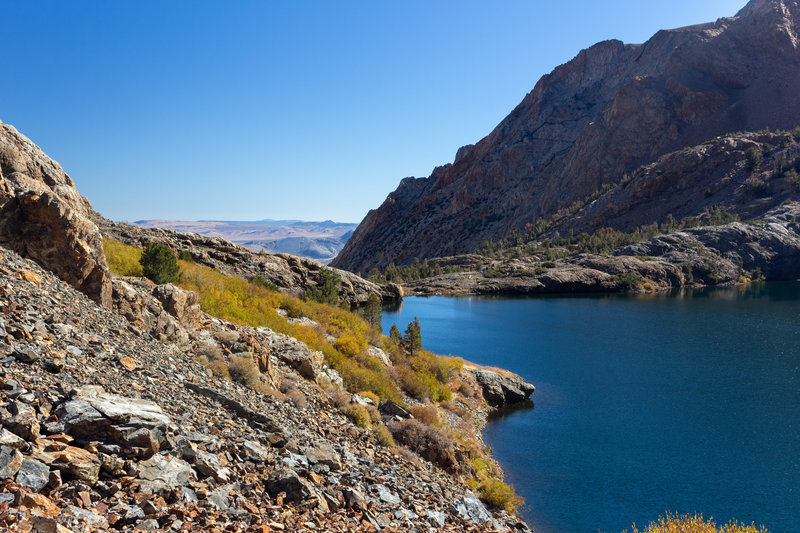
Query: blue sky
x,y
314,110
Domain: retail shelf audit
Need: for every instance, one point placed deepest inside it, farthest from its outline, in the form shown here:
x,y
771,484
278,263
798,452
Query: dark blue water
x,y
685,402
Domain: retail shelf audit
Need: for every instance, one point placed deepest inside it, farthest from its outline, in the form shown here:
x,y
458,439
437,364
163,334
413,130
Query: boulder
x,y
499,390
33,474
166,472
21,419
134,299
287,481
139,426
10,462
42,217
390,408
470,508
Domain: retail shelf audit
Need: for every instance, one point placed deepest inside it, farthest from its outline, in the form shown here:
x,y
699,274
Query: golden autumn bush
x,y
673,523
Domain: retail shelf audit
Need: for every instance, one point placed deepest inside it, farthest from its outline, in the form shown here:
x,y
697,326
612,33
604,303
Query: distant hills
x,y
317,240
581,144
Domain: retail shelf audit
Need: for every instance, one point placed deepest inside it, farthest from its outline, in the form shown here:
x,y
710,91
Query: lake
x,y
688,401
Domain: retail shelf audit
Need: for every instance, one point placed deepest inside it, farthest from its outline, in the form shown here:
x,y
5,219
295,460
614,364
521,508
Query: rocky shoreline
x,y
698,257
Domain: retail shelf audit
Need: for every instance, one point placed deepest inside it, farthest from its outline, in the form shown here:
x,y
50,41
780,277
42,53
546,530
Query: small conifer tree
x,y
394,334
159,263
372,311
413,337
327,289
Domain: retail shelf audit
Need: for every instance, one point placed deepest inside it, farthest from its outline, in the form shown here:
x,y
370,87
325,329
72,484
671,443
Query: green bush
x,y
184,255
326,291
159,264
753,158
628,281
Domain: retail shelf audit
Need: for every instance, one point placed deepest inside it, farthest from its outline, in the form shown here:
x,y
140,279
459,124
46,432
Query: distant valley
x,y
316,240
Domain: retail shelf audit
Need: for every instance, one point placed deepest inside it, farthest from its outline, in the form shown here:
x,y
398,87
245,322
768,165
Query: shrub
x,y
244,370
753,158
695,524
327,288
121,258
628,281
347,344
384,436
219,369
340,399
500,495
793,179
410,382
370,395
261,281
427,414
184,255
757,186
297,398
159,263
358,414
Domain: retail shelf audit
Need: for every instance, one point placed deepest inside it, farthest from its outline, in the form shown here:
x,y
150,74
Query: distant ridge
x,y
316,240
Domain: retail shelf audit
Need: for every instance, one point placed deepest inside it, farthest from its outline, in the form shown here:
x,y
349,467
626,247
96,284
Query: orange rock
x,y
38,505
30,277
128,363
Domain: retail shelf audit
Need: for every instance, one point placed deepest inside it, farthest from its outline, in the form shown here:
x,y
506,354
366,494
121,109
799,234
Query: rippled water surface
x,y
684,402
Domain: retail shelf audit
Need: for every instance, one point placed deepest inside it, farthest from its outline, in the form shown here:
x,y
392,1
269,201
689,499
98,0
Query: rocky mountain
x,y
320,241
590,124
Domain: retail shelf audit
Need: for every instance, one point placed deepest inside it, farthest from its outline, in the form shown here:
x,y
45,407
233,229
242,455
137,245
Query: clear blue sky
x,y
315,110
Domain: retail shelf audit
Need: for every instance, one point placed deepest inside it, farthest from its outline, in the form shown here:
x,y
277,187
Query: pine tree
x,y
394,334
372,311
413,337
159,263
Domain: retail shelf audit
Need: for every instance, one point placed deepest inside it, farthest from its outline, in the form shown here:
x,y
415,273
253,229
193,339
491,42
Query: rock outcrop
x,y
702,256
590,124
43,217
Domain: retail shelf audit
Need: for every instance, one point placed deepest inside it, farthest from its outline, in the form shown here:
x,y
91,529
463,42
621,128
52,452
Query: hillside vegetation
x,y
433,387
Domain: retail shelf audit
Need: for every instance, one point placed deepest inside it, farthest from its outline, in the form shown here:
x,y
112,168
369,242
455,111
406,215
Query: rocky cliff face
x,y
43,217
590,123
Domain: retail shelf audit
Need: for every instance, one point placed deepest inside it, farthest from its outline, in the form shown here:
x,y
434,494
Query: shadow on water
x,y
510,410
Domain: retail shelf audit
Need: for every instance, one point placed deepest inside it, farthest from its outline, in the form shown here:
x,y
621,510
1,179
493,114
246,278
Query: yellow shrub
x,y
384,436
358,414
500,495
347,344
250,304
121,258
695,524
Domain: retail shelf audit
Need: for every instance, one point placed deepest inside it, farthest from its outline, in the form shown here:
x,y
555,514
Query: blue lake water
x,y
686,402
